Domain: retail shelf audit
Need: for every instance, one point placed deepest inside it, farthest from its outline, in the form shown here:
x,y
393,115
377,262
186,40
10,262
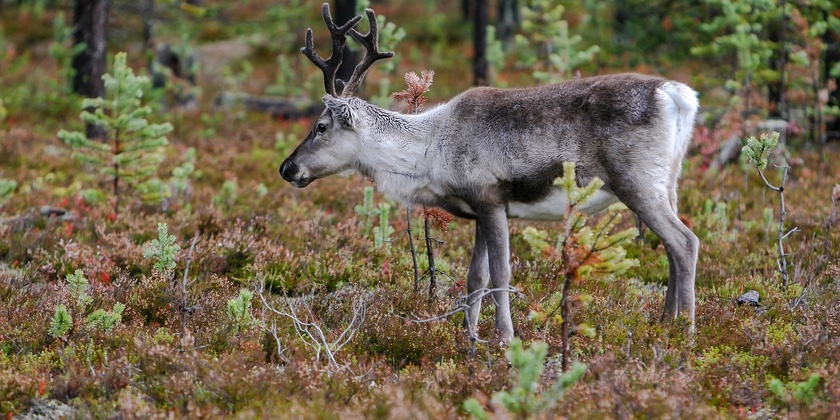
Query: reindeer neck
x,y
399,152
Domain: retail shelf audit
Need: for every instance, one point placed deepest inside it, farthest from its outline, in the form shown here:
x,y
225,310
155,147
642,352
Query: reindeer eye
x,y
321,127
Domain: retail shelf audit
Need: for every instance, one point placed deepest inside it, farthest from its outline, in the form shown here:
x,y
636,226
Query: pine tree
x,y
131,155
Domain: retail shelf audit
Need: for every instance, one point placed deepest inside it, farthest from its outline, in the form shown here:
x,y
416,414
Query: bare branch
x,y
312,334
462,304
767,183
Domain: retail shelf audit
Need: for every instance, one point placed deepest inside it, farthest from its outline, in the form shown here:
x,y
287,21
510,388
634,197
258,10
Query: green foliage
x,y
382,236
261,190
7,189
177,88
103,320
390,35
78,285
581,251
132,154
226,197
239,311
283,22
524,399
756,149
496,55
156,190
545,44
801,392
739,29
3,111
367,210
568,182
287,80
63,52
235,79
61,322
717,221
163,250
92,196
609,247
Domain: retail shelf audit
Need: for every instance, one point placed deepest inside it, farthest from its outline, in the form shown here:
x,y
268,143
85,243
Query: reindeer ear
x,y
340,109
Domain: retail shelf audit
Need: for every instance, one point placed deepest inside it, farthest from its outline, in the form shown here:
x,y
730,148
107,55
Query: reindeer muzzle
x,y
291,172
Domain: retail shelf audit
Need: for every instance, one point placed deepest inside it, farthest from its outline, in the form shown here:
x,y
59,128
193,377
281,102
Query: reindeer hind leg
x,y
656,207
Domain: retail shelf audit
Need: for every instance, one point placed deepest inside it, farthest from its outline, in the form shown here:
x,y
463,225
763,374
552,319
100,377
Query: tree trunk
x,y
467,9
831,56
344,11
147,14
776,89
90,24
508,21
480,43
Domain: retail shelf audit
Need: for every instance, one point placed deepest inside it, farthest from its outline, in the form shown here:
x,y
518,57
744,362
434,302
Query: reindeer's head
x,y
334,142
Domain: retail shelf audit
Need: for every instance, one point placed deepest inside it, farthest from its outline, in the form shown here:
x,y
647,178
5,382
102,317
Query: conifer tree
x,y
131,155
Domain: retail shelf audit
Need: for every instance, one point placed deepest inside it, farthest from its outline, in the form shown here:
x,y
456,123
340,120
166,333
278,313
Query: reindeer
x,y
492,154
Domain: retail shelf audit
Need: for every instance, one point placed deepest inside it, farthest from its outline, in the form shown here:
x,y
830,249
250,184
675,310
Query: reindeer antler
x,y
339,38
330,66
370,41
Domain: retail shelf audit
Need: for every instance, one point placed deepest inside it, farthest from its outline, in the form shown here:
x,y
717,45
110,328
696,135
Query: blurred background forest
x,y
154,263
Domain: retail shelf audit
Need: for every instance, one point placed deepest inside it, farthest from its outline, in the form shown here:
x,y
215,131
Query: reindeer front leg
x,y
493,224
478,278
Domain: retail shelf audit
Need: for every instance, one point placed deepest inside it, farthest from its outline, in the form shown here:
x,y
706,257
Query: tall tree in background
x,y
90,23
480,43
344,11
831,59
508,20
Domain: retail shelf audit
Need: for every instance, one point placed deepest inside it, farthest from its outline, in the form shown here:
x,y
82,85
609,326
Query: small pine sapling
x,y
61,322
103,320
382,235
239,311
131,153
523,400
582,251
77,285
756,151
100,319
164,192
367,210
163,250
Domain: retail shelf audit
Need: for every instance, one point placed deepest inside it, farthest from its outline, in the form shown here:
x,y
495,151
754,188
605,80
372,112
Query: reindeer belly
x,y
555,205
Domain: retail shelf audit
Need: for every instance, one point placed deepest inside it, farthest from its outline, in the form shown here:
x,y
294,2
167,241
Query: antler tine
x,y
339,37
370,41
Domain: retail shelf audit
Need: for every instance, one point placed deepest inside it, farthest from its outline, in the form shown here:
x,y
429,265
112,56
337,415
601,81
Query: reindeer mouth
x,y
292,173
300,183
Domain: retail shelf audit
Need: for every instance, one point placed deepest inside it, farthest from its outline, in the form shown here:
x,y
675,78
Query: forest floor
x,y
188,344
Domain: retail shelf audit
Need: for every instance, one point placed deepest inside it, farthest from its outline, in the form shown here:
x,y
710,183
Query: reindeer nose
x,y
288,170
